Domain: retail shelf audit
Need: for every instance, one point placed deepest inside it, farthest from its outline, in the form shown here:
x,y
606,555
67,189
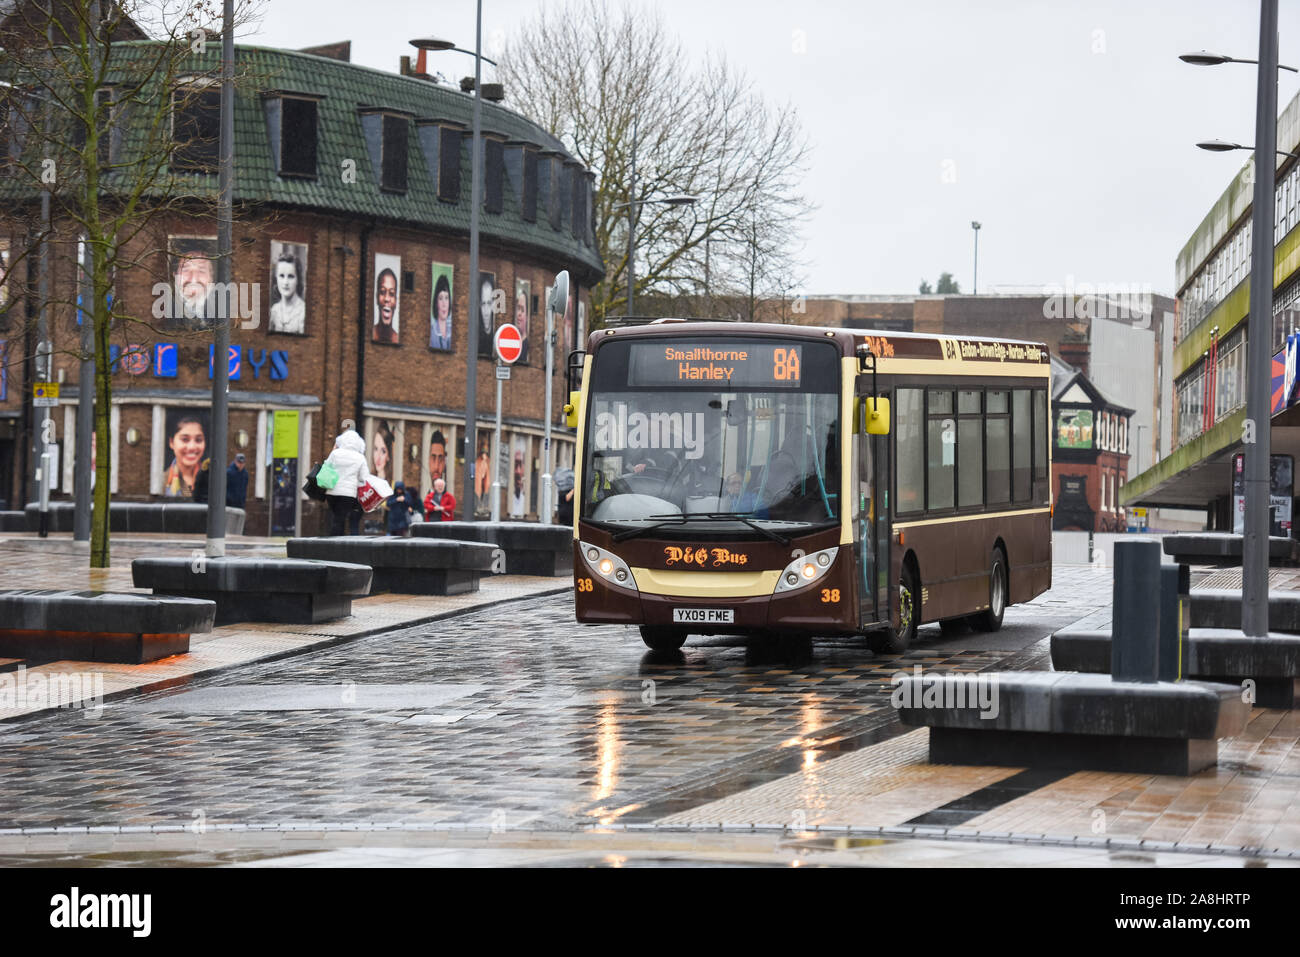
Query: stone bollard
x,y
1175,621
1135,627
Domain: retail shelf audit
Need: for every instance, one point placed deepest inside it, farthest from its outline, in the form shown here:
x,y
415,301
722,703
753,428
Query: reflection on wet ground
x,y
520,718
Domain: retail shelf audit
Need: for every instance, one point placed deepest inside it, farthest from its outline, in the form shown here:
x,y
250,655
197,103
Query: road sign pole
x,y
547,510
496,463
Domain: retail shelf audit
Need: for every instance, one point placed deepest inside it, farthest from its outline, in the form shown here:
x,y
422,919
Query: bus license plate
x,y
704,616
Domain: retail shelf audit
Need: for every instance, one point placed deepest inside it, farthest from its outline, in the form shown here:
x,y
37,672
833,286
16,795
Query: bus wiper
x,y
741,517
635,532
698,516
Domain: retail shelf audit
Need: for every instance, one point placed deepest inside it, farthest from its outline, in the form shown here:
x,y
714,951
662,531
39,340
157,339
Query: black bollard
x,y
1175,615
1135,627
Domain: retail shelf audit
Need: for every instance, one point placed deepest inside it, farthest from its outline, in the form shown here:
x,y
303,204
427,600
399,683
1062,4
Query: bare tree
x,y
591,76
105,103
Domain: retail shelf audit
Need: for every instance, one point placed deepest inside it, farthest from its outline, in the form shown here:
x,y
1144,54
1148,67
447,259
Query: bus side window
x,y
910,451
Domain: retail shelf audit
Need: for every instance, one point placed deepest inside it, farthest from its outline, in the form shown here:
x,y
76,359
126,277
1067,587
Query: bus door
x,y
871,523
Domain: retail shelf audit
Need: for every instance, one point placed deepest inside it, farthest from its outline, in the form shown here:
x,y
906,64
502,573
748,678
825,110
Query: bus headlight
x,y
806,570
607,565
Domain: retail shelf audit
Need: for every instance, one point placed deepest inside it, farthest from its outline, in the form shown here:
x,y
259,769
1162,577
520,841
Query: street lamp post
x,y
975,280
1254,552
470,439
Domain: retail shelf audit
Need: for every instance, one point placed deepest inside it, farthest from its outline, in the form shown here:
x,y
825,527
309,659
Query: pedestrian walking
x,y
348,460
440,505
400,506
237,482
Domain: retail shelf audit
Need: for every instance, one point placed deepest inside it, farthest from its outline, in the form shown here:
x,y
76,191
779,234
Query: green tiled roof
x,y
344,88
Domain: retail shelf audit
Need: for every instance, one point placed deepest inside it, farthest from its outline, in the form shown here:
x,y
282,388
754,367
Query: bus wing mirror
x,y
877,413
571,410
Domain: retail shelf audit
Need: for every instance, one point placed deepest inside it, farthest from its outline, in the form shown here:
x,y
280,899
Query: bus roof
x,y
884,344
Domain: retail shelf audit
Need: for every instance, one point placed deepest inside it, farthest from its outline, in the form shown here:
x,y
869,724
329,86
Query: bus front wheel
x,y
991,618
897,640
663,639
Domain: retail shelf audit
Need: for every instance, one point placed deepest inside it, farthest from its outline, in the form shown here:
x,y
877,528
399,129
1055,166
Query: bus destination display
x,y
737,364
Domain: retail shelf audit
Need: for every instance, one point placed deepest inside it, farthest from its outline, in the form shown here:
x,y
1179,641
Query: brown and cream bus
x,y
747,478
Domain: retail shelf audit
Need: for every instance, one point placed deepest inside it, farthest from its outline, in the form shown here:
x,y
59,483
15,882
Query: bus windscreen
x,y
723,429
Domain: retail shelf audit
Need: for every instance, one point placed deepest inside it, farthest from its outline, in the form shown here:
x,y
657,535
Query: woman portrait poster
x,y
487,284
385,300
381,451
288,288
523,302
444,297
187,447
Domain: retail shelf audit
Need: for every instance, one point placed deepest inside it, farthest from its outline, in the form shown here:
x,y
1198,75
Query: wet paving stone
x,y
505,718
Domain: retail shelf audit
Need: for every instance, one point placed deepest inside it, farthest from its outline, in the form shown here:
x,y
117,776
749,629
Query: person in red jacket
x,y
439,505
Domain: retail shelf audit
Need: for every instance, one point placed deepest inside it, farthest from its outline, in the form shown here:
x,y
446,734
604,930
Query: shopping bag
x,y
373,493
327,476
311,488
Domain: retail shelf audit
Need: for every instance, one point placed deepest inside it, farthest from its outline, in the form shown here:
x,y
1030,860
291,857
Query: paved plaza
x,y
491,729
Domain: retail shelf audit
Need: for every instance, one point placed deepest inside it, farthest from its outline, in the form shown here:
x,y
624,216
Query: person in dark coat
x,y
201,482
400,506
237,482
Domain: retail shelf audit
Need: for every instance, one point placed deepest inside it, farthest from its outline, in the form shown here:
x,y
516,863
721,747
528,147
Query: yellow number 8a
x,y
830,596
584,584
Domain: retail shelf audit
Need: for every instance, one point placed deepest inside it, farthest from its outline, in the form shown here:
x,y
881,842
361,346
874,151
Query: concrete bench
x,y
255,589
1224,548
172,518
1221,608
410,566
1048,719
1213,654
530,548
53,625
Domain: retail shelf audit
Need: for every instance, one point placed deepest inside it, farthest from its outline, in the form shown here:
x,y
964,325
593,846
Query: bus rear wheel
x,y
897,640
662,639
991,618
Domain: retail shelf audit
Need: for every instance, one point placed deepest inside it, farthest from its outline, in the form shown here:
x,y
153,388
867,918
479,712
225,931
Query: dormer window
x,y
387,133
196,126
440,143
493,174
291,126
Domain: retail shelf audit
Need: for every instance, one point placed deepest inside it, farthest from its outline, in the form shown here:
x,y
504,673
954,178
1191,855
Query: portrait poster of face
x,y
517,494
382,451
437,456
444,297
487,285
288,288
384,327
192,265
186,431
483,477
523,303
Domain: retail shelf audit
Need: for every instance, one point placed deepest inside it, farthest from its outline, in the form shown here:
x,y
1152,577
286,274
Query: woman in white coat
x,y
349,460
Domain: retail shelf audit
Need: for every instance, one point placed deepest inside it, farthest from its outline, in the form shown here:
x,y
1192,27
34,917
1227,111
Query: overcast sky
x,y
1067,130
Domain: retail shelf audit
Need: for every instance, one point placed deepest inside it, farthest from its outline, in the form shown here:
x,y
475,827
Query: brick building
x,y
352,210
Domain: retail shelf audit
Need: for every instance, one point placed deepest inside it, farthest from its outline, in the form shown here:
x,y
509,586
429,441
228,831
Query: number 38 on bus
x,y
751,479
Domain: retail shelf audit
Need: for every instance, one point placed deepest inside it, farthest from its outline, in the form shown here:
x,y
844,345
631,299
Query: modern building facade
x,y
1212,272
351,269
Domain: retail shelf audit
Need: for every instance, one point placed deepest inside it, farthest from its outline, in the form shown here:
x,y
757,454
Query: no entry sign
x,y
508,343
